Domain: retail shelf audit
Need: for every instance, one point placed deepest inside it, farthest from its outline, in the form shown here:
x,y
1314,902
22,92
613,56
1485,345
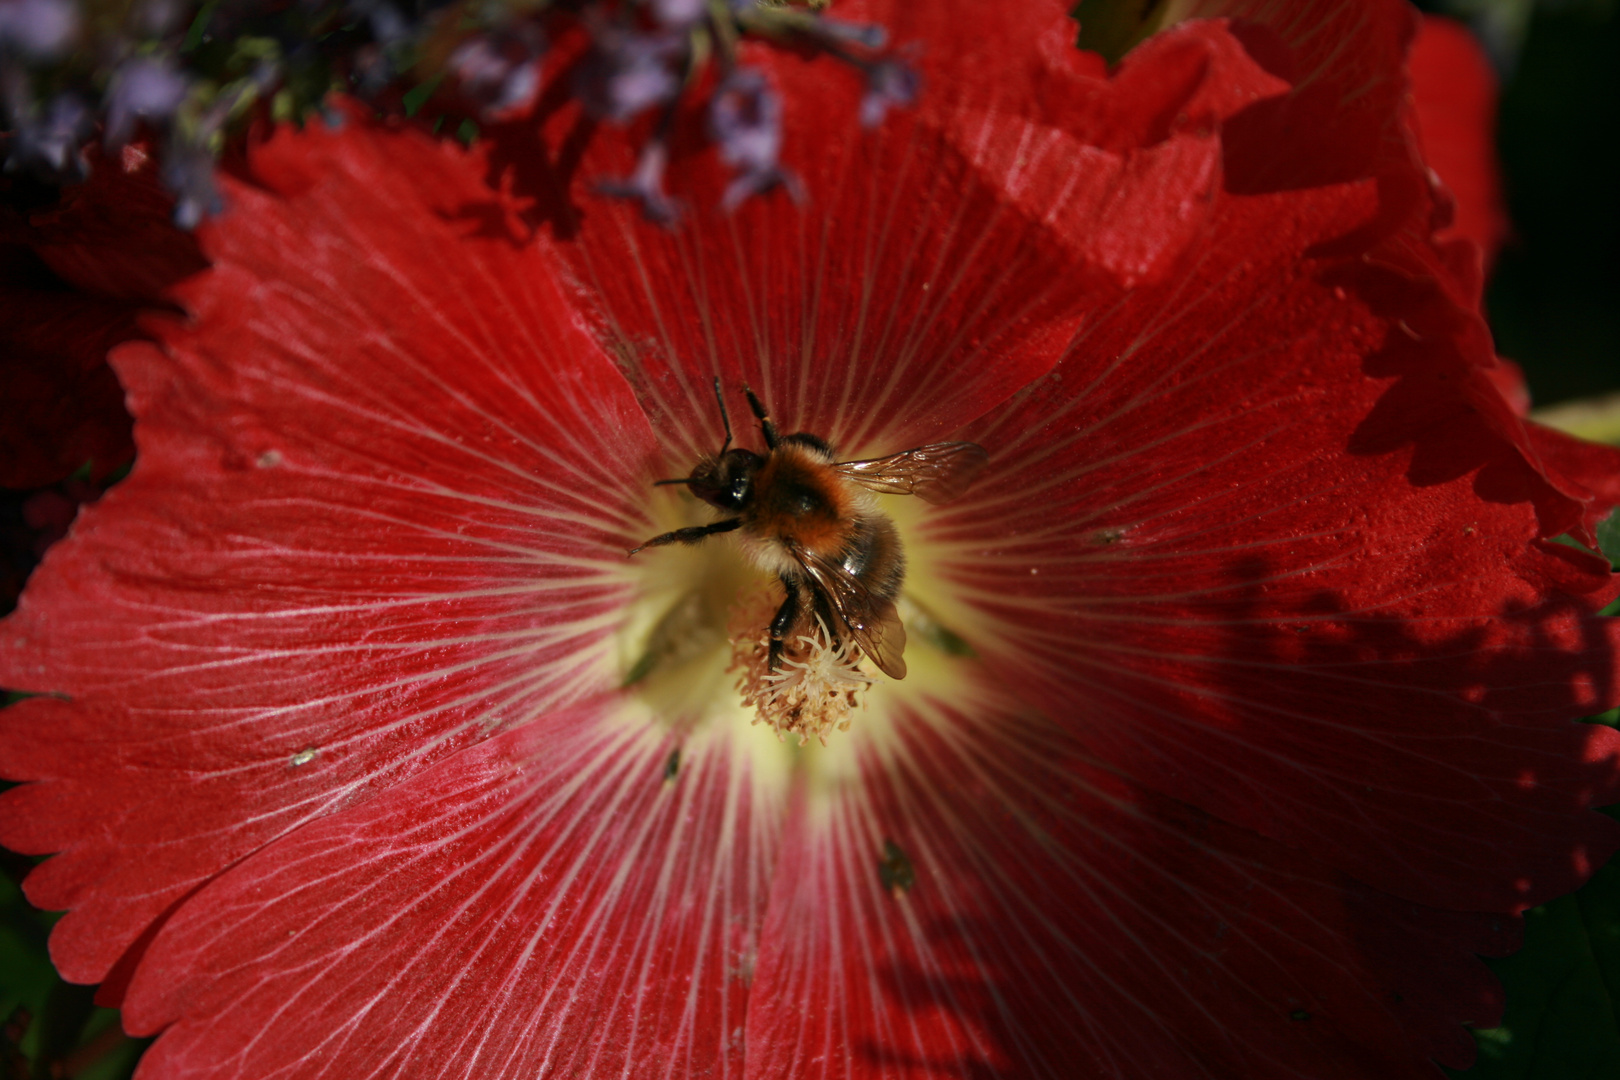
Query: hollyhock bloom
x,y
1239,709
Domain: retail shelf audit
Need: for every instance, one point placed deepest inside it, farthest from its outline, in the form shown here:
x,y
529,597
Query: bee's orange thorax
x,y
799,498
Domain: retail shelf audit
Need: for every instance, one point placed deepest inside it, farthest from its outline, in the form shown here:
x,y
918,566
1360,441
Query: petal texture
x,y
379,512
545,902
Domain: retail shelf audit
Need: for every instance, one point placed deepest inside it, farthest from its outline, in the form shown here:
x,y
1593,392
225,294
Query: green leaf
x,y
1114,27
417,95
26,975
198,31
1563,992
1608,538
1596,419
54,1026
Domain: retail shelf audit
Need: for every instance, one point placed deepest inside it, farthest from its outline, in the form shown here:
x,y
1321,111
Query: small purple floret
x,y
155,18
678,14
143,88
388,26
889,83
40,29
500,71
646,185
188,173
627,72
377,63
745,120
49,144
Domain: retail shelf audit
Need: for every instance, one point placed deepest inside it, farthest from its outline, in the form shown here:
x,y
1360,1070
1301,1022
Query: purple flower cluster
x,y
642,55
746,123
40,29
187,75
499,70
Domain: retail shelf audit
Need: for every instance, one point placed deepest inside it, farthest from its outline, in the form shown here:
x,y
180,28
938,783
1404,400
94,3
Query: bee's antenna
x,y
677,480
766,428
724,419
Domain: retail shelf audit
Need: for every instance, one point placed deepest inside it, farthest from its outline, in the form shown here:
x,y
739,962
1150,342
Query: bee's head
x,y
726,482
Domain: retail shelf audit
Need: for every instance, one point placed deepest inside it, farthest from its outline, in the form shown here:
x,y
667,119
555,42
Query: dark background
x,y
1554,300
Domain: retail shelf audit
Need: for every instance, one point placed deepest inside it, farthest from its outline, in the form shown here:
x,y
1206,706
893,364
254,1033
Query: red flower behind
x,y
65,409
75,278
1454,110
1266,728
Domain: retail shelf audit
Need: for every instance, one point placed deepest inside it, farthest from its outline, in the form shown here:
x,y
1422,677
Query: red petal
x,y
1509,379
380,509
1066,922
909,293
1350,116
542,902
1343,118
1454,99
1588,467
1251,545
1124,172
1300,500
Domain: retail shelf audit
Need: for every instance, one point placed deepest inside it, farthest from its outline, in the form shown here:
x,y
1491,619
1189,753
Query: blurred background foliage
x,y
1554,304
1554,300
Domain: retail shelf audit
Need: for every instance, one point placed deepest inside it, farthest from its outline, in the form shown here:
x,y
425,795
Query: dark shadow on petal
x,y
1079,925
521,155
490,220
1267,838
1443,403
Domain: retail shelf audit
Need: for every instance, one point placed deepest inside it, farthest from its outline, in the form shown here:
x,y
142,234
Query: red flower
x,y
1260,731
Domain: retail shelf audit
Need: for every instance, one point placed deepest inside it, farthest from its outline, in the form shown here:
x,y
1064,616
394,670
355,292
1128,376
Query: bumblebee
x,y
812,522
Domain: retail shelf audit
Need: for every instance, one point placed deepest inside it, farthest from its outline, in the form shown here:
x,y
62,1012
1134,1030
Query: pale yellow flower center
x,y
694,648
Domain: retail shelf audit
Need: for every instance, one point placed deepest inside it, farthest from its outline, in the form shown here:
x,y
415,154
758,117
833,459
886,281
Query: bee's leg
x,y
781,626
766,428
689,535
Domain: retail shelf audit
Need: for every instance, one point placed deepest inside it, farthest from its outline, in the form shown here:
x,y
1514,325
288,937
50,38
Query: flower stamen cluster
x,y
812,692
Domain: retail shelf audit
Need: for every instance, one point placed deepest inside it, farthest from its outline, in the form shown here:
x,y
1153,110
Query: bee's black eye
x,y
728,483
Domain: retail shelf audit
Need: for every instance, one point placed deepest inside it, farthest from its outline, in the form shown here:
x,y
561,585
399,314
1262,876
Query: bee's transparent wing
x,y
938,472
870,621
